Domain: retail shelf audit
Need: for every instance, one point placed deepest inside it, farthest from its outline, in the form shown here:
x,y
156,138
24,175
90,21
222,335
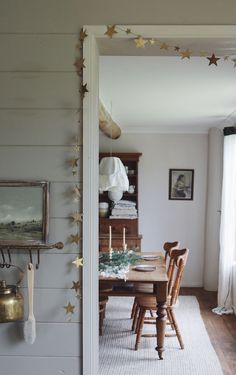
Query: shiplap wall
x,y
37,86
38,119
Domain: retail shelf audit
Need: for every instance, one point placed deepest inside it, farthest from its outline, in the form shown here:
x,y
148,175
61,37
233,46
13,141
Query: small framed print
x,y
181,184
24,212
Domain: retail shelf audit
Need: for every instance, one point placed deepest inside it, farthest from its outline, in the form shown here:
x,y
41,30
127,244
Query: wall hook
x,y
2,265
9,259
31,257
38,259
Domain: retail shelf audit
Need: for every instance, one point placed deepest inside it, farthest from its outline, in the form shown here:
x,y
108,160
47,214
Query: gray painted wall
x,y
38,103
38,98
161,219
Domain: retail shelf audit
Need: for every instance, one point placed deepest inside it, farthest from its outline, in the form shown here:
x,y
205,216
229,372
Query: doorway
x,y
96,34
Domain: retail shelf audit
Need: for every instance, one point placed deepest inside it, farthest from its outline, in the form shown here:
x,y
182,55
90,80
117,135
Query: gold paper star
x,y
77,217
83,89
111,31
75,238
76,286
164,46
213,59
152,42
82,35
76,191
69,308
74,162
226,58
234,61
140,42
186,54
79,64
76,149
128,31
177,48
78,262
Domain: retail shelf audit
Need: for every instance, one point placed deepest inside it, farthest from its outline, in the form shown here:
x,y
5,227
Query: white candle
x,y
124,244
109,246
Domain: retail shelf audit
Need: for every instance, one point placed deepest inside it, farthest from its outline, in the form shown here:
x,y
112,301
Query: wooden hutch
x,y
133,238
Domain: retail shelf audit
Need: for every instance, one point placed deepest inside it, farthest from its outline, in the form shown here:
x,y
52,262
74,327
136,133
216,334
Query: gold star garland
x,y
77,216
144,42
164,46
69,308
140,42
111,31
76,286
78,262
213,59
186,54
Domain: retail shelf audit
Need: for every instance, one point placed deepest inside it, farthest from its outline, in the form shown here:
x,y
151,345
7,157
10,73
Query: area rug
x,y
117,355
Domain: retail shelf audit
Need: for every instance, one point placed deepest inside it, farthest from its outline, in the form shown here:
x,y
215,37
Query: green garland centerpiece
x,y
118,262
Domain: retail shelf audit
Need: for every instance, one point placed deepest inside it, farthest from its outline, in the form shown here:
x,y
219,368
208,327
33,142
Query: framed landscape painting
x,y
181,184
24,212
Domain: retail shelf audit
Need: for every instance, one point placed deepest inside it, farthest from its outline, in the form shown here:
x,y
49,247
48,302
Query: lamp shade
x,y
112,175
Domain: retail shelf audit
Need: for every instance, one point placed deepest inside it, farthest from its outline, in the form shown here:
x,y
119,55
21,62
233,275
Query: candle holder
x,y
110,252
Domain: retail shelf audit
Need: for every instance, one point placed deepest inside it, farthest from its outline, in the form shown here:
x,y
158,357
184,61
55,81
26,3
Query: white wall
x,y
38,103
162,219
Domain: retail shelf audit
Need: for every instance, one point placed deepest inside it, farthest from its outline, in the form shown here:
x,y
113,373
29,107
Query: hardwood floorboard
x,y
221,329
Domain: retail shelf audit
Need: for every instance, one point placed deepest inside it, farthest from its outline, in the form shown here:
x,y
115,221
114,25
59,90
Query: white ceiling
x,y
167,94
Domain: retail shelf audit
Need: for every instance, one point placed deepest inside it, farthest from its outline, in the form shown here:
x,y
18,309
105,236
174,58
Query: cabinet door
x,y
117,225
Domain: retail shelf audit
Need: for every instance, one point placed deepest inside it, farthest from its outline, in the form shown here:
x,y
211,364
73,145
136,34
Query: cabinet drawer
x,y
117,225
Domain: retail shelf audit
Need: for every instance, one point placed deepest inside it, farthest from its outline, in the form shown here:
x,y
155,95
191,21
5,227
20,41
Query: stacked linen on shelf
x,y
124,210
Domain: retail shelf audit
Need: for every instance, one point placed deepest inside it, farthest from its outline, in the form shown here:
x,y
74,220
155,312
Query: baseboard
x,y
234,308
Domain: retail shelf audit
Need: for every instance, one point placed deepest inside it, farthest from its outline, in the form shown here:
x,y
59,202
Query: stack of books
x,y
124,210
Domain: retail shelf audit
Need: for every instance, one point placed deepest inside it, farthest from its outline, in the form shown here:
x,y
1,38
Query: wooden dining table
x,y
126,288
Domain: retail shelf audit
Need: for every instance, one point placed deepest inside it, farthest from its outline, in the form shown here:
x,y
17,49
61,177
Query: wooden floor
x,y
221,329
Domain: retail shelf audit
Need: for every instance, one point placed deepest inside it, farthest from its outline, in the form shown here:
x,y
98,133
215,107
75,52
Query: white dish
x,y
144,268
150,257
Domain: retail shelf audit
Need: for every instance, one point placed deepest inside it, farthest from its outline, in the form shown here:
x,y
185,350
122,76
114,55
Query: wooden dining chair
x,y
178,259
148,288
102,304
102,311
168,247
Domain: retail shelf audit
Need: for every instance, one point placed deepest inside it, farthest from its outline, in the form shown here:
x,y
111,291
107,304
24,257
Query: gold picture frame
x,y
24,212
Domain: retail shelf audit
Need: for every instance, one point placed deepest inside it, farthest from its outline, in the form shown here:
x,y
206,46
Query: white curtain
x,y
227,227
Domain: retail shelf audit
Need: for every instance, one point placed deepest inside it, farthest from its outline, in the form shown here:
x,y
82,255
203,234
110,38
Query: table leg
x,y
161,327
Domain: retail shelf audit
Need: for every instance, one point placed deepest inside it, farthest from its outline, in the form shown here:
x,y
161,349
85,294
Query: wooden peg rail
x,y
8,247
29,246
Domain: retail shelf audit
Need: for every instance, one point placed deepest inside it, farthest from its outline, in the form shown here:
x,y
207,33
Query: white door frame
x,y
90,166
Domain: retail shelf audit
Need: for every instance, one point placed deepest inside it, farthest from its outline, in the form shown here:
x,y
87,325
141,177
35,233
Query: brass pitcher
x,y
11,301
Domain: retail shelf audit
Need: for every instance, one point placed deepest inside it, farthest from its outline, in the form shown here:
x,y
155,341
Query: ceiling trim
x,y
170,31
164,130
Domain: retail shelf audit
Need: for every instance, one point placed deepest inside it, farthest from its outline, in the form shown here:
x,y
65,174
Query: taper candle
x,y
124,244
109,246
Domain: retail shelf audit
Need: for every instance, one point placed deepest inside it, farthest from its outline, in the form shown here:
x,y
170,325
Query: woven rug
x,y
117,355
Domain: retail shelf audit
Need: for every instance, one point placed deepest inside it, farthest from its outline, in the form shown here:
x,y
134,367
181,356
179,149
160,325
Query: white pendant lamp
x,y
113,177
